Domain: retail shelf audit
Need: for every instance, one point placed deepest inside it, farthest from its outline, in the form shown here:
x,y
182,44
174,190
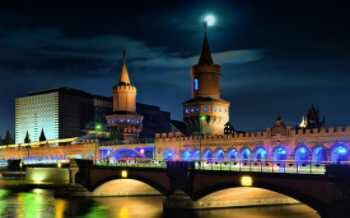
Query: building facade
x,y
206,112
205,133
36,112
279,143
59,113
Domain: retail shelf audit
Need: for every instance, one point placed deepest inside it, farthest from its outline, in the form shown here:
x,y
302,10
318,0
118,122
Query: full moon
x,y
209,19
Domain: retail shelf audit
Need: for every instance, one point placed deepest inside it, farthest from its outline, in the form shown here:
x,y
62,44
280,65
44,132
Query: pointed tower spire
x,y
205,57
124,74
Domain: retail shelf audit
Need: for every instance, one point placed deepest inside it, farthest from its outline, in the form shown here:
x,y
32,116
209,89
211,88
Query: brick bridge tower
x,y
206,112
124,122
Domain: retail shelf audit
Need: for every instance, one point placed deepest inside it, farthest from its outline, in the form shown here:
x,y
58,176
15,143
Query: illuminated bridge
x,y
322,186
318,153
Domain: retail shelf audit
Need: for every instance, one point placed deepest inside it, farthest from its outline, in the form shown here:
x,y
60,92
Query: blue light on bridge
x,y
105,153
260,153
280,153
186,155
168,155
207,154
319,154
245,154
232,154
145,152
196,154
301,154
124,153
220,155
339,153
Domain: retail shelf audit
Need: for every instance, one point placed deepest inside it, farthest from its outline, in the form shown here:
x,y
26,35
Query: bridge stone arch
x,y
318,203
148,181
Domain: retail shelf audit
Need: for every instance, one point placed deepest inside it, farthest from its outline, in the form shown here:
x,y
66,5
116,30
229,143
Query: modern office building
x,y
59,113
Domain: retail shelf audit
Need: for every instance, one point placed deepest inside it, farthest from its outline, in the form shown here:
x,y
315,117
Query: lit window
x,y
195,84
205,109
192,110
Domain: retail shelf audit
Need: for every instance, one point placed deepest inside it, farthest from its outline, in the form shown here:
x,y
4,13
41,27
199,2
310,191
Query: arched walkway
x,y
232,154
219,155
168,154
340,152
186,155
207,155
260,153
196,154
124,153
245,154
280,153
319,154
301,154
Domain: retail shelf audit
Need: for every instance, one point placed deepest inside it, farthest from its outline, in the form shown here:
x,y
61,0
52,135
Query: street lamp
x,y
98,128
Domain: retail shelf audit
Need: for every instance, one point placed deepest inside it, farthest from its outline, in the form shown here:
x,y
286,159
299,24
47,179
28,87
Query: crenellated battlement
x,y
330,131
267,134
125,88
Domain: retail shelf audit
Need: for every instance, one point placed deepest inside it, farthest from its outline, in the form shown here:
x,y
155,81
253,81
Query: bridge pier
x,y
336,209
178,200
73,170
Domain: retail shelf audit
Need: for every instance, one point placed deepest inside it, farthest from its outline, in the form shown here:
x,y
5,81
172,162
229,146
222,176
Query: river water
x,y
40,203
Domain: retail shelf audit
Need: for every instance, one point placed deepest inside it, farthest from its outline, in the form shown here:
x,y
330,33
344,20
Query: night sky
x,y
277,57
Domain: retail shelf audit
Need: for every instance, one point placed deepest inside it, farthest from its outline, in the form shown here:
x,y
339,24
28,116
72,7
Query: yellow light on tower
x,y
124,174
246,181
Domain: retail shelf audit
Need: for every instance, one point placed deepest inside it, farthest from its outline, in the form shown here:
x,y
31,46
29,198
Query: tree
x,y
27,138
8,140
42,136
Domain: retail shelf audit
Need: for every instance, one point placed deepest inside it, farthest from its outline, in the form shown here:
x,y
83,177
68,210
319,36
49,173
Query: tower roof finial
x,y
124,56
205,56
124,74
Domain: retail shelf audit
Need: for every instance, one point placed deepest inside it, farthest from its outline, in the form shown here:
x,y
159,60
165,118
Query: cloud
x,y
49,50
225,57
